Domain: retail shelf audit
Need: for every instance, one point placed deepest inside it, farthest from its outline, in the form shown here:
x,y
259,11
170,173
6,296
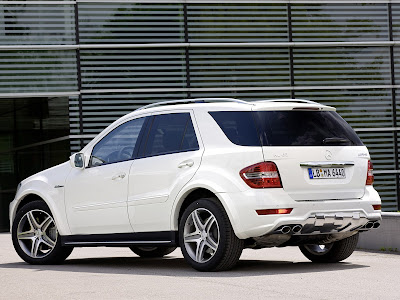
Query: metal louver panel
x,y
385,184
340,22
37,24
238,67
100,110
130,23
133,68
37,71
396,57
237,22
243,95
396,21
341,66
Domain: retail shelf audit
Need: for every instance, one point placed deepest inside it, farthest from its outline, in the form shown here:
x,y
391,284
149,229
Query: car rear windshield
x,y
286,128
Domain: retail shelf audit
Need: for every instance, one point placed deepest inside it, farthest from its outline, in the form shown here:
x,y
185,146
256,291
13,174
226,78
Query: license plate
x,y
326,173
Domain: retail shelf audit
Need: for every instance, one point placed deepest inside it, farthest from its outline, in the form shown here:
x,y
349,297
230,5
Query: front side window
x,y
171,133
118,145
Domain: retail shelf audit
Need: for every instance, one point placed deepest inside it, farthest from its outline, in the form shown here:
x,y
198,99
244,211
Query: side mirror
x,y
77,160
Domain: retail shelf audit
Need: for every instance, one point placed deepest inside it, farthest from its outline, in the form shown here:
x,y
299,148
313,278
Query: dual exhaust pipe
x,y
372,224
286,229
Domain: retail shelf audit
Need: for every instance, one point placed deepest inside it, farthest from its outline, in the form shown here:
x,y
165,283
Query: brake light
x,y
370,175
261,175
277,211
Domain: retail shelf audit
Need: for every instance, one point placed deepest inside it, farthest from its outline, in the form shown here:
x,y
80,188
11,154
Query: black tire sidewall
x,y
57,255
220,215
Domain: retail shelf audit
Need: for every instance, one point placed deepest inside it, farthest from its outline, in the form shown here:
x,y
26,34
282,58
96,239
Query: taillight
x,y
261,175
370,175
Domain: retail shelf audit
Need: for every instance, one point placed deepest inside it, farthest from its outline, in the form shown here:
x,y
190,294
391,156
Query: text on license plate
x,y
326,173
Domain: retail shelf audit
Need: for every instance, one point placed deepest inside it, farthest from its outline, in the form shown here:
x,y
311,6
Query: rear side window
x,y
171,133
286,128
238,126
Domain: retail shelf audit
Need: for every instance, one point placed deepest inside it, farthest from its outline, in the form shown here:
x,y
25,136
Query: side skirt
x,y
161,238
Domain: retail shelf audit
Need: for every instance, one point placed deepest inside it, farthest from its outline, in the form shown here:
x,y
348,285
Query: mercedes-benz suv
x,y
212,176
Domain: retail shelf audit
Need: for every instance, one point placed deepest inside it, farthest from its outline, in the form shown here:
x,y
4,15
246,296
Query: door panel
x,y
96,199
168,160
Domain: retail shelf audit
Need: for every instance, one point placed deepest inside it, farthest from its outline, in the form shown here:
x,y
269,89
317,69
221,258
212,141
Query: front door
x,y
96,197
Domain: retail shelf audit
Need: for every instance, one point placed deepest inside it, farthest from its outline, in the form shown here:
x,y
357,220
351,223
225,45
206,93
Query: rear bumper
x,y
314,217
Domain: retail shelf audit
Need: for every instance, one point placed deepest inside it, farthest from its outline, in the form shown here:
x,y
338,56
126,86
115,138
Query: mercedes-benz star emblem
x,y
328,155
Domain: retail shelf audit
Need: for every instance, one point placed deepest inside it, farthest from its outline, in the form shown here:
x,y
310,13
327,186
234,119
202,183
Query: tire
x,y
210,245
330,253
152,251
35,236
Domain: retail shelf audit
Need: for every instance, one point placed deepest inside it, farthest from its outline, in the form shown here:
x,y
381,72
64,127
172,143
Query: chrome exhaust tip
x,y
285,229
297,228
369,225
377,225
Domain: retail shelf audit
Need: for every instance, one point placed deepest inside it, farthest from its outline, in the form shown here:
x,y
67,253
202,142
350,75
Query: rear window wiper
x,y
335,140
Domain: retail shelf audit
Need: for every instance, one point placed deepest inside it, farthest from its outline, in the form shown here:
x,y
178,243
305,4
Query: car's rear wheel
x,y
330,253
206,237
152,251
35,236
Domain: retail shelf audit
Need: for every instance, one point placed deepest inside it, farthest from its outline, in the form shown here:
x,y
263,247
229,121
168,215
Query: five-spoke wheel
x,y
35,235
206,236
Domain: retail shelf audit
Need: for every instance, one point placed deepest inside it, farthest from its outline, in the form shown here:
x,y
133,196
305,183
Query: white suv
x,y
212,176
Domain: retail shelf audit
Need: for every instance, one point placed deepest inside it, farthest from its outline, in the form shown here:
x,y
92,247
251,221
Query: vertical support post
x,y
78,70
394,110
290,37
185,24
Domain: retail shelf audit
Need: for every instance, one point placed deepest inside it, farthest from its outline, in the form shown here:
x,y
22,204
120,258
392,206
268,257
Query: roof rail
x,y
290,100
199,100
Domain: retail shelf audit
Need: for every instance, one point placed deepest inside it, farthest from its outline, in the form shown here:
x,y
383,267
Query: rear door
x,y
168,158
318,155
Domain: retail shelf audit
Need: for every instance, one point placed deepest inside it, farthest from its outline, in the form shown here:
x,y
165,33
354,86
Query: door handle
x,y
118,176
186,163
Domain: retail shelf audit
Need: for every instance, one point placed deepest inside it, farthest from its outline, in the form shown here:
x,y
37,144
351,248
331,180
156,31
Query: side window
x,y
171,133
118,145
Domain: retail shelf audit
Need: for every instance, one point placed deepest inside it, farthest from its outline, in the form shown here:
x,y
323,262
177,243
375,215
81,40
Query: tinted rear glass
x,y
287,128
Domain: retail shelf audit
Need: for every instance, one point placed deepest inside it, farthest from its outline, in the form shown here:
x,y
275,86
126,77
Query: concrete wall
x,y
386,237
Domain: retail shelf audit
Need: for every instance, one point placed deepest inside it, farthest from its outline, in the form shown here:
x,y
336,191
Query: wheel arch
x,y
194,193
30,196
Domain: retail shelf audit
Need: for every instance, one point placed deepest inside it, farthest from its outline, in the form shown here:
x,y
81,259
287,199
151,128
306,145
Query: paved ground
x,y
116,273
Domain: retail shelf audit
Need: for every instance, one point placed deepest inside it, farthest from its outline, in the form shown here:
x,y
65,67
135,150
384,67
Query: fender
x,y
213,187
49,186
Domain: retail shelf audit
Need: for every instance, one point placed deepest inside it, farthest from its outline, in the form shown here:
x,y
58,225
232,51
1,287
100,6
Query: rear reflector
x,y
261,175
370,175
278,211
377,207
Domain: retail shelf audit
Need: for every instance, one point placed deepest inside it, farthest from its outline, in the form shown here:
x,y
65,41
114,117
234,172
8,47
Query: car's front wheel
x,y
330,253
206,237
35,236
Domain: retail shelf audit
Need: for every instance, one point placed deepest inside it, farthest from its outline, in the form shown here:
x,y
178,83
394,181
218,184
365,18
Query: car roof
x,y
214,104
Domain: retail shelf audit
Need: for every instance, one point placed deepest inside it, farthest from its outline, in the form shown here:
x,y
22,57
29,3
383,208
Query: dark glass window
x,y
118,145
238,126
171,133
304,128
286,128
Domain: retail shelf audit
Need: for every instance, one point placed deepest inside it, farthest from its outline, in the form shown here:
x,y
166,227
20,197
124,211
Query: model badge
x,y
328,155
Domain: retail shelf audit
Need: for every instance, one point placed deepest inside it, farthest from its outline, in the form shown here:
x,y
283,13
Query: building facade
x,y
70,68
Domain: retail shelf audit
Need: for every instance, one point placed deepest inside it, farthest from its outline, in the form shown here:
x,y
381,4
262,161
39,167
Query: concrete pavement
x,y
117,273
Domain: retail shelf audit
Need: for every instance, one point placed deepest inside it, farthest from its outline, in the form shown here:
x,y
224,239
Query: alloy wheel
x,y
37,233
201,235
